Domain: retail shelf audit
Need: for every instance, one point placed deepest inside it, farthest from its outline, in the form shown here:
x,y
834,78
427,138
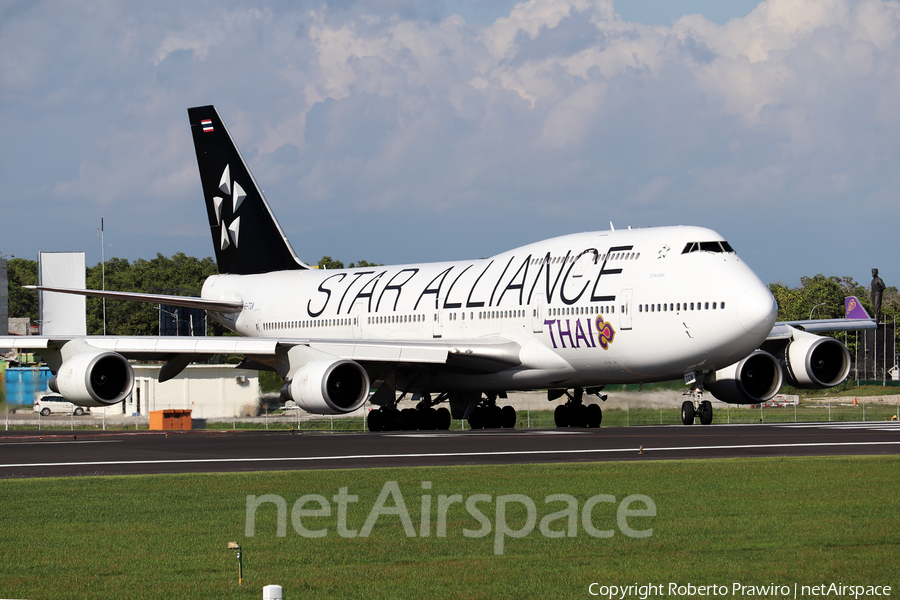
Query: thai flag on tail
x,y
207,125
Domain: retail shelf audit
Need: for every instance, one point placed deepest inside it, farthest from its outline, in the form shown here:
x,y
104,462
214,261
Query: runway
x,y
33,454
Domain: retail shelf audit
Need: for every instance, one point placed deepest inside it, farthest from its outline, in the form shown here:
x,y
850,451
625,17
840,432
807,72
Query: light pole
x,y
103,272
815,307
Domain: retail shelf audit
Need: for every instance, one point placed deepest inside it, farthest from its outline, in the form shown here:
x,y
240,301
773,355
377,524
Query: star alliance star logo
x,y
663,252
231,232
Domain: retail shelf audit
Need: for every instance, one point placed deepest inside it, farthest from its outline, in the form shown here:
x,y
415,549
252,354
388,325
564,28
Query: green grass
x,y
848,389
805,520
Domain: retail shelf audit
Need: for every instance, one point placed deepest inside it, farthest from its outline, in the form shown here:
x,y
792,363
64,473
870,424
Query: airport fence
x,y
825,412
807,412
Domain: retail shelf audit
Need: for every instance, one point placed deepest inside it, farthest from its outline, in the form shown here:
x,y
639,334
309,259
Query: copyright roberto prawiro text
x,y
738,590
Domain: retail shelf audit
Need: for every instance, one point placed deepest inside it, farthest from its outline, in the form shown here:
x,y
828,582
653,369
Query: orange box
x,y
170,419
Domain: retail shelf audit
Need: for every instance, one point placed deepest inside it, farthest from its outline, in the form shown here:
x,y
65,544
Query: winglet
x,y
853,308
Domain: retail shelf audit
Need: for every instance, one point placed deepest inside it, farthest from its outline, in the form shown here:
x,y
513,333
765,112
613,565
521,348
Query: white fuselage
x,y
587,309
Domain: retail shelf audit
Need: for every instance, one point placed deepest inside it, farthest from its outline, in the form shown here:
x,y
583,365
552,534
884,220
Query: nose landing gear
x,y
703,408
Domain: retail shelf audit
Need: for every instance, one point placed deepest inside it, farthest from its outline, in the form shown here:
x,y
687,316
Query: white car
x,y
56,404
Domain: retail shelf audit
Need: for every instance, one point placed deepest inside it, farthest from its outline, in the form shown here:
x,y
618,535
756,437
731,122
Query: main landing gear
x,y
424,417
574,413
703,408
487,415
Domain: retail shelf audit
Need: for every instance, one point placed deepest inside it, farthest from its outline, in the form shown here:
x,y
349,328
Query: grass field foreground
x,y
755,521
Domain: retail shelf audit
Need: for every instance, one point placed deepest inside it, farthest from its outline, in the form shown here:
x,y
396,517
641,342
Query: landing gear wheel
x,y
578,415
409,418
494,417
594,415
687,412
507,417
427,419
706,412
561,416
390,419
375,420
477,418
442,419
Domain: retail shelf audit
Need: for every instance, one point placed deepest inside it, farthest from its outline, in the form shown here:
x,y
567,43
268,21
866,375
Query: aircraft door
x,y
625,309
537,314
437,330
357,319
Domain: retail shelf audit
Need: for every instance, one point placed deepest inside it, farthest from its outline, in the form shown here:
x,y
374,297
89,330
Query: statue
x,y
877,291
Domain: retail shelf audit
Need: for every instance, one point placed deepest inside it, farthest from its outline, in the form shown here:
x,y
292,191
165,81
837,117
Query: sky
x,y
399,131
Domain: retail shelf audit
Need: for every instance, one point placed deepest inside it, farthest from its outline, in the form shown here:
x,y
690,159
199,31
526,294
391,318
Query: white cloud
x,y
365,118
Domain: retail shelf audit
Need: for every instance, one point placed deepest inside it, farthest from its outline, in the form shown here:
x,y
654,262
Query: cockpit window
x,y
719,247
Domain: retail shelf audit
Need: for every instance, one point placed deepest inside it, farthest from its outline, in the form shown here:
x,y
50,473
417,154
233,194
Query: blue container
x,y
24,383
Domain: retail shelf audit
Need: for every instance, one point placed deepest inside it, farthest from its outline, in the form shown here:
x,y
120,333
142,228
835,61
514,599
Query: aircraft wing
x,y
482,355
782,328
856,319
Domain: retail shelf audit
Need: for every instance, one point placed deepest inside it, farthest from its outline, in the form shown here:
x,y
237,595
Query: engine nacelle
x,y
816,362
329,387
94,379
753,380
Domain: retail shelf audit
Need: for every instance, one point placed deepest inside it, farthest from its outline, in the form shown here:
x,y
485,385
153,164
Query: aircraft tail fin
x,y
853,309
247,238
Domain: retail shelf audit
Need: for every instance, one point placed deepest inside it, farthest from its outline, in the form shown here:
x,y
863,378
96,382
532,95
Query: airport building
x,y
209,391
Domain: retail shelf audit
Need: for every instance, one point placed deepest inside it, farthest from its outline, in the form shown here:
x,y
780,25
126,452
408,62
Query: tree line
x,y
823,298
180,275
819,296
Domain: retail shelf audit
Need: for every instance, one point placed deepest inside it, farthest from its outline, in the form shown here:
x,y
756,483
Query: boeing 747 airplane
x,y
569,315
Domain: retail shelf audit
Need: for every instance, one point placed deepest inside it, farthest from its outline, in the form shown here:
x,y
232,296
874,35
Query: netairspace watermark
x,y
391,504
737,590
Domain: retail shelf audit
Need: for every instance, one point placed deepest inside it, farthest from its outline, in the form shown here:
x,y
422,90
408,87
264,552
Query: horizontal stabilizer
x,y
224,306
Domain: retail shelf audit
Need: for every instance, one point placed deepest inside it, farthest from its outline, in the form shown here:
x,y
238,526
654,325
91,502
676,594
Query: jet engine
x,y
94,379
328,387
753,380
815,362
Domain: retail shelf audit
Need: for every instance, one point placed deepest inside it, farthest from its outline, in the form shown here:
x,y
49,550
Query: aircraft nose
x,y
757,310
